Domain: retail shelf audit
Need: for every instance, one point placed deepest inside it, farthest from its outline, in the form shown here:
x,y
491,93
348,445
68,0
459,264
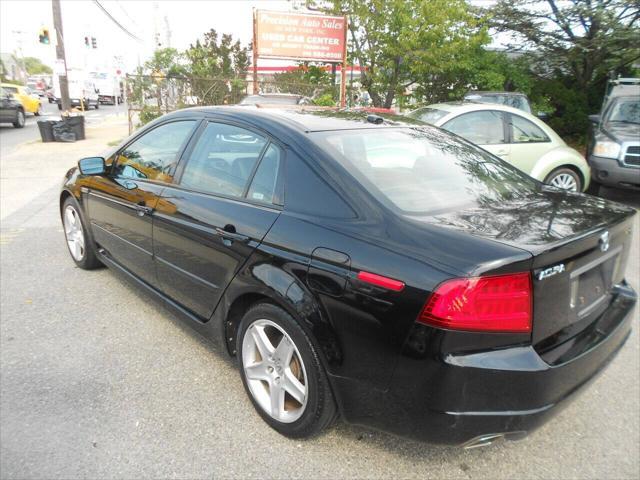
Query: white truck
x,y
108,86
83,92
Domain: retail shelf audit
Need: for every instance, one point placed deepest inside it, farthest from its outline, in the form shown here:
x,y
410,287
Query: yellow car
x,y
29,100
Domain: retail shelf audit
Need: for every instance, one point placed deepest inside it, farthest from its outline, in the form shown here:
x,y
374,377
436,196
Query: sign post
x,y
300,36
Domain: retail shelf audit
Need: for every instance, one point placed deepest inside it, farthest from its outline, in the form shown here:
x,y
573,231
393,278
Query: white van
x,y
82,90
108,87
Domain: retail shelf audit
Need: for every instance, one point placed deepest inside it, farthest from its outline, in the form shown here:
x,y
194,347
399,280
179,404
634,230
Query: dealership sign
x,y
300,36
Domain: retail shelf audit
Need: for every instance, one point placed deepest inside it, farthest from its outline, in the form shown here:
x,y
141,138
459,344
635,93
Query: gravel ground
x,y
97,380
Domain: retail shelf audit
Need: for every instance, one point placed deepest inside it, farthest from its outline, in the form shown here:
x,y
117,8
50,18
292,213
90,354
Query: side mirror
x,y
542,116
92,166
594,119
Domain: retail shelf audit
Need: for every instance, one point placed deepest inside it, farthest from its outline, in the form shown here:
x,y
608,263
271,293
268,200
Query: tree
x,y
217,68
165,62
405,42
574,45
307,79
34,66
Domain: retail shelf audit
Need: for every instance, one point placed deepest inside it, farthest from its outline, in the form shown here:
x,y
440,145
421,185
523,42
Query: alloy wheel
x,y
21,118
74,233
564,181
274,371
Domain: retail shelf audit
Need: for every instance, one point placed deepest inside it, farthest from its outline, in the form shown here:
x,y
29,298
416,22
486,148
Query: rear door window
x,y
484,127
224,160
264,184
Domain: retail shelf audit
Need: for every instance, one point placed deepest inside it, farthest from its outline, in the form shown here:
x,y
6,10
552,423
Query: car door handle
x,y
232,236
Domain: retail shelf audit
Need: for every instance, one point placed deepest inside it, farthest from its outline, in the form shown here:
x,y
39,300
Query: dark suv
x,y
613,150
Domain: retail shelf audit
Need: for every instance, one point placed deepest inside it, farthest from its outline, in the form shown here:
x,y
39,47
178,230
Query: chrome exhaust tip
x,y
489,438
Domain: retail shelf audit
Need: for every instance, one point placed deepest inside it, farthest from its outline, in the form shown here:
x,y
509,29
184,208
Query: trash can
x,y
77,125
62,132
46,130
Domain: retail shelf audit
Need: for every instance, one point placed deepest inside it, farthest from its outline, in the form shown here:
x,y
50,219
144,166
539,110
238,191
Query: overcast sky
x,y
20,21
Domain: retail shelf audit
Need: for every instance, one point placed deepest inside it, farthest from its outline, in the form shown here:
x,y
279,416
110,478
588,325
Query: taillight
x,y
500,303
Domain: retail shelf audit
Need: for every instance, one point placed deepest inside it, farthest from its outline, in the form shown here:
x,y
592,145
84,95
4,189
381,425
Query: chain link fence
x,y
150,96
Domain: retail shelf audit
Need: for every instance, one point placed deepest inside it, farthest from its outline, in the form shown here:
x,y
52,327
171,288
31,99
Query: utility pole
x,y
64,85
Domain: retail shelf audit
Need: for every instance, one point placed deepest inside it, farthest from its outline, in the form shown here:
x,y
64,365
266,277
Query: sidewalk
x,y
35,168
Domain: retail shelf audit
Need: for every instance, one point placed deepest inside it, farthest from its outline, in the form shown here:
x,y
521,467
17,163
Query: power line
x,y
104,10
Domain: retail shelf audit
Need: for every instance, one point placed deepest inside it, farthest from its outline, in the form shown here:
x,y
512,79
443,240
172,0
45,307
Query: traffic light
x,y
43,36
93,42
86,42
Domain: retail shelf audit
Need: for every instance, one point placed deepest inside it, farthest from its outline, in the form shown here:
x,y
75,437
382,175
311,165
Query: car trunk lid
x,y
578,245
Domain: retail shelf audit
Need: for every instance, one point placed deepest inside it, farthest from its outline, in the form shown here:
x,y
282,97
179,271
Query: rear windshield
x,y
427,114
515,101
425,170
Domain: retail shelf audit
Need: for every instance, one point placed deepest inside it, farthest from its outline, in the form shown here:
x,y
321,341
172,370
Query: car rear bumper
x,y
458,399
610,172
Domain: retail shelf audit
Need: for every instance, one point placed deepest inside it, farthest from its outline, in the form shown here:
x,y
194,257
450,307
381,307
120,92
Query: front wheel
x,y
565,179
282,373
19,122
79,240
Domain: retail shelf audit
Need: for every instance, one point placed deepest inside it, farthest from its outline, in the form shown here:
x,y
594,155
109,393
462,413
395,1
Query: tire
x,y
60,106
565,178
97,106
292,366
79,240
20,119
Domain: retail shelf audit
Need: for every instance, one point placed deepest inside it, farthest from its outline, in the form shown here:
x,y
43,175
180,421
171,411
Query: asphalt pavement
x,y
98,380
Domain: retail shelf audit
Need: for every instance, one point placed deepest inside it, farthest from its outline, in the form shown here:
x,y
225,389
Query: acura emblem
x,y
604,241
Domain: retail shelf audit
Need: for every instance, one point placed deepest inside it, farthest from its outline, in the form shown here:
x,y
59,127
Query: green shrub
x,y
148,114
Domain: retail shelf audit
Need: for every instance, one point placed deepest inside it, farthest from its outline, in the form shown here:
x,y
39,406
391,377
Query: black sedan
x,y
385,271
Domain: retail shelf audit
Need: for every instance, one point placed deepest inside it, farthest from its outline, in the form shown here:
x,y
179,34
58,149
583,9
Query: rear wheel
x,y
565,179
282,373
79,240
19,122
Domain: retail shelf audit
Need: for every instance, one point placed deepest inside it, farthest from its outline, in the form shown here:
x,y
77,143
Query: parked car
x,y
276,99
11,110
375,269
37,87
613,148
30,101
515,136
510,99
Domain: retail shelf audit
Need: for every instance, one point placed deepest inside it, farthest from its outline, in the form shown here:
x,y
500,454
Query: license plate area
x,y
591,284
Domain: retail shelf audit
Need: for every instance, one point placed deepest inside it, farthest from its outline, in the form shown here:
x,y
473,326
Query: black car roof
x,y
310,119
